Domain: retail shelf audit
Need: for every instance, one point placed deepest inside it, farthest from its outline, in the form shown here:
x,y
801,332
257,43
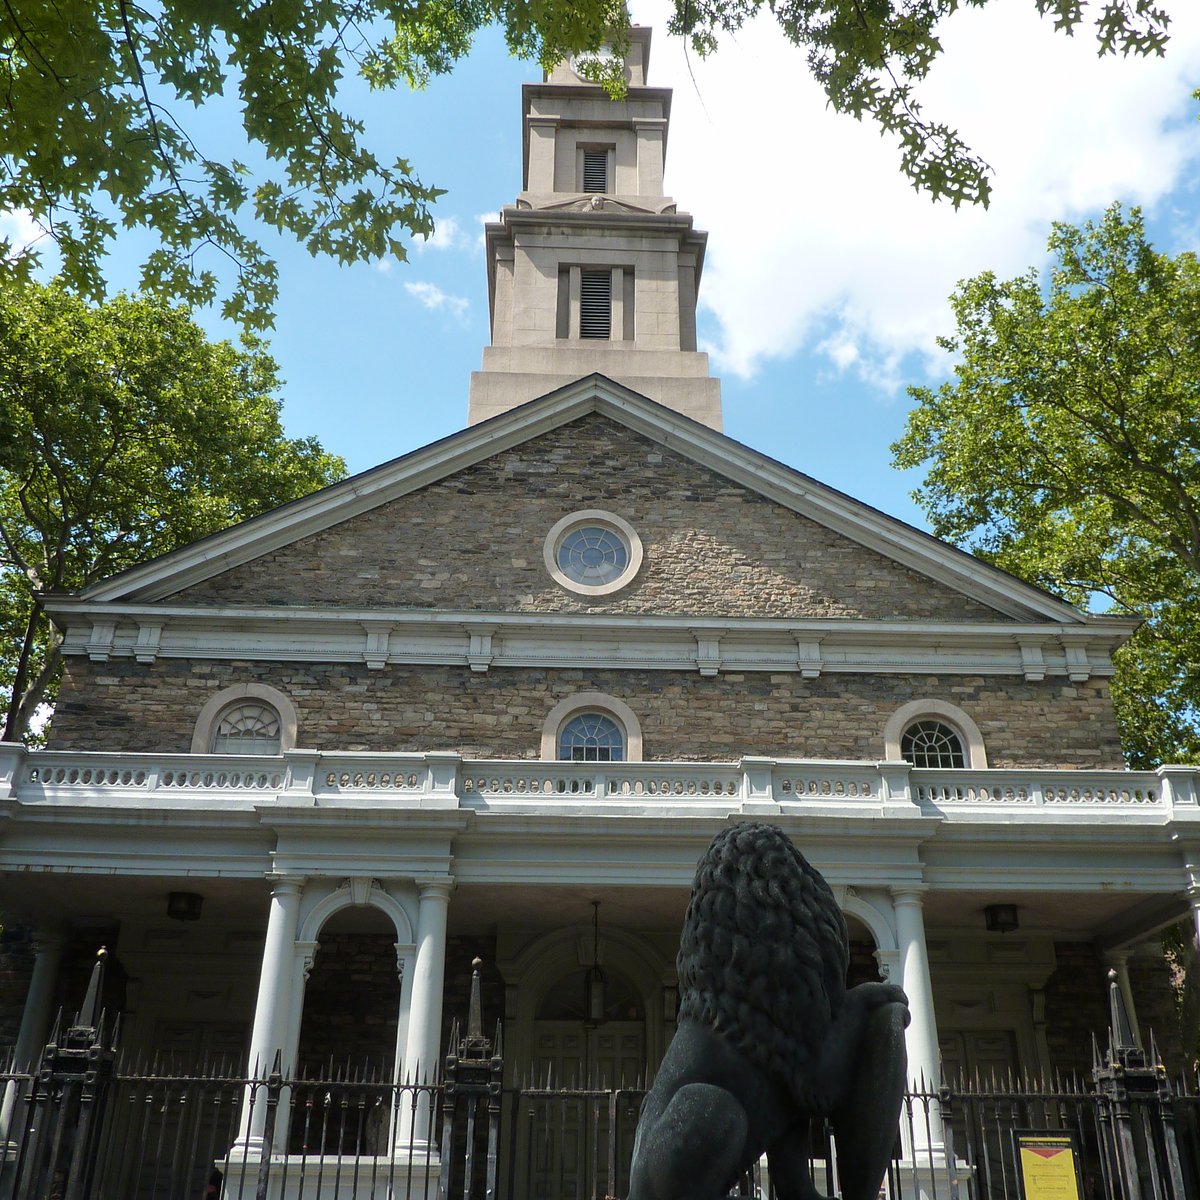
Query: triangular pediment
x,y
964,582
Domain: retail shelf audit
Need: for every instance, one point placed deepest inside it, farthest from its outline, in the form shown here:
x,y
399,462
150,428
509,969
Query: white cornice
x,y
888,536
484,640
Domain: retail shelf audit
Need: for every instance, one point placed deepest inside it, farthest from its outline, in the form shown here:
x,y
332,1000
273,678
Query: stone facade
x,y
474,541
126,706
1077,1008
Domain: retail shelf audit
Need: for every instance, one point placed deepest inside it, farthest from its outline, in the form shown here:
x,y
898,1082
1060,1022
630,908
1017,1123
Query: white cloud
x,y
447,235
483,219
817,241
430,296
20,231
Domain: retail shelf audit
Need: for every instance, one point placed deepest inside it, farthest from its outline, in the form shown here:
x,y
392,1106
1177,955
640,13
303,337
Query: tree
x,y
124,433
93,134
1067,450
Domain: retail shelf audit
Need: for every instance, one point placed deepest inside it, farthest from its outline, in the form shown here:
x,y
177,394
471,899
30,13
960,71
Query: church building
x,y
494,697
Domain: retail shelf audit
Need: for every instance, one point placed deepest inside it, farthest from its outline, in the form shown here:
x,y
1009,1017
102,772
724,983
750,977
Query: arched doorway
x,y
578,1065
570,1051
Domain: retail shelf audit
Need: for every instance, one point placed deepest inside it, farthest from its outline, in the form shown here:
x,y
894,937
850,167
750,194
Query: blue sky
x,y
826,278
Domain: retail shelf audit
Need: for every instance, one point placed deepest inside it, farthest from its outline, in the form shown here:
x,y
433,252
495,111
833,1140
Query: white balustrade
x,y
443,779
826,781
1037,788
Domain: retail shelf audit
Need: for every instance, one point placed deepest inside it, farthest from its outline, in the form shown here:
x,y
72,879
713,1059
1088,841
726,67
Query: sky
x,y
827,276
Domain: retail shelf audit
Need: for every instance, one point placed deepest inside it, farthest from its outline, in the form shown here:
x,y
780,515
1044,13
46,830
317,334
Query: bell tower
x,y
593,268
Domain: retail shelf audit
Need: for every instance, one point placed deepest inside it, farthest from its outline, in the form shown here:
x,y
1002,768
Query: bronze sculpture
x,y
769,1038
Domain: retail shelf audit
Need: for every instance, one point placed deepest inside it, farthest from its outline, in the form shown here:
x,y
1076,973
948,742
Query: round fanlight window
x,y
593,552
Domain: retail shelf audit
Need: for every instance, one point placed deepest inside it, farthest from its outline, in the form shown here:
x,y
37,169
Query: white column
x,y
35,1017
921,1038
425,1013
273,1010
400,1127
927,1141
425,1008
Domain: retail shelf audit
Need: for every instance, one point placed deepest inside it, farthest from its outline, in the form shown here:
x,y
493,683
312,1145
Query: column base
x,y
400,1176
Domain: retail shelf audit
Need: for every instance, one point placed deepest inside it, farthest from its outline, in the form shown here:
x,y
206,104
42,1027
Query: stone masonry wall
x,y
125,706
16,971
1077,1007
474,541
350,1006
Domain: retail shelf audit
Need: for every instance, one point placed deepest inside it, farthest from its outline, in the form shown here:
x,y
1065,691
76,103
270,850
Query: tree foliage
x,y
124,433
94,97
1067,450
93,126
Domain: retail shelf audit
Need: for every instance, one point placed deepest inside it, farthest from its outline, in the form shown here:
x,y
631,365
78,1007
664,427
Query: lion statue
x,y
769,1038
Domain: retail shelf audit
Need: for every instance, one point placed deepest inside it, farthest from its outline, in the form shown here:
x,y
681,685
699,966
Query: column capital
x,y
434,886
285,885
909,893
888,962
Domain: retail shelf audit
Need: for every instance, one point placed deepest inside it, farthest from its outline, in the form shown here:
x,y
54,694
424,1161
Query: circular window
x,y
593,552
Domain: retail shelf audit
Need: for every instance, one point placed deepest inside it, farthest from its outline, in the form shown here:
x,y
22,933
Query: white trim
x,y
594,393
487,640
962,724
878,924
206,722
592,516
592,702
344,897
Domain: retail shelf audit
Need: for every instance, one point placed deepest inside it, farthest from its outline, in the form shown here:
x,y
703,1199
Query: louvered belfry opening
x,y
595,170
595,304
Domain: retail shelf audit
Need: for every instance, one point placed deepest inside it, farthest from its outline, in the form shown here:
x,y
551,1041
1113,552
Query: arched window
x,y
934,733
591,737
247,718
250,727
932,744
591,727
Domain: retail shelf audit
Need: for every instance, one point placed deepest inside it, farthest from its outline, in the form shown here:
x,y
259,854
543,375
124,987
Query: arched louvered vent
x,y
595,304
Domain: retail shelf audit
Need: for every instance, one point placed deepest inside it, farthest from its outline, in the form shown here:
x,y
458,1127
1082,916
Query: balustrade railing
x,y
308,777
1038,788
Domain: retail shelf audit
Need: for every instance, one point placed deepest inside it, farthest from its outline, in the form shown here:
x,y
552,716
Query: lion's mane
x,y
763,955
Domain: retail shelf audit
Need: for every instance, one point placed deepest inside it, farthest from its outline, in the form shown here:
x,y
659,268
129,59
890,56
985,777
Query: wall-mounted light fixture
x,y
1001,918
184,906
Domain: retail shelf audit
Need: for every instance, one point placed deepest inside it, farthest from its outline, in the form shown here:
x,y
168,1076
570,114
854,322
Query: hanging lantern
x,y
595,999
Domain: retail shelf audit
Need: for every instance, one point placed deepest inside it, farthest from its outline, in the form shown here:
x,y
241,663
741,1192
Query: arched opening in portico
x,y
352,997
864,959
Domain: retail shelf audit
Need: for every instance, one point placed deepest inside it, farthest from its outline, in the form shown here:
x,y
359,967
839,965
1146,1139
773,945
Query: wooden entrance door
x,y
567,1125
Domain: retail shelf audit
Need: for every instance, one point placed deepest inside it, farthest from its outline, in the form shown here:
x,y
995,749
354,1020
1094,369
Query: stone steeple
x,y
593,268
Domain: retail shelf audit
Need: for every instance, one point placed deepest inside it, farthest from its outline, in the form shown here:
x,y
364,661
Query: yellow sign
x,y
1048,1169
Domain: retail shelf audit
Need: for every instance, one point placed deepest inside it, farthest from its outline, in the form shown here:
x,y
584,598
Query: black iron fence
x,y
86,1126
170,1137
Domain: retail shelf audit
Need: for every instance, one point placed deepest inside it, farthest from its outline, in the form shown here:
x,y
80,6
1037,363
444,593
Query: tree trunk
x,y
14,729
